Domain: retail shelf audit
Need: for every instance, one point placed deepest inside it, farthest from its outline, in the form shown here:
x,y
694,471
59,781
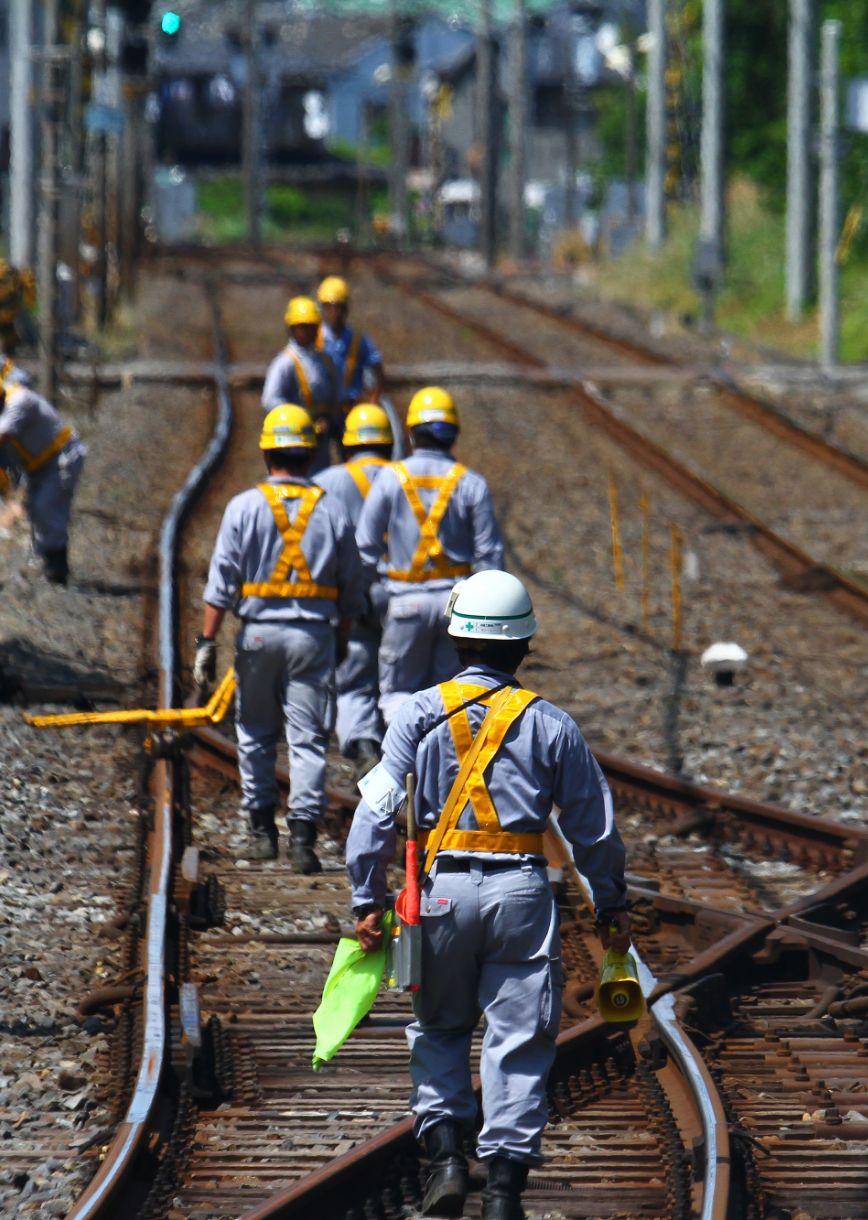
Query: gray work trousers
x,y
49,498
358,716
490,944
285,673
416,651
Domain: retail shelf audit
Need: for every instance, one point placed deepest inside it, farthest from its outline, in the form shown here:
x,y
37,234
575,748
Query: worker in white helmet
x,y
47,456
435,520
285,563
490,940
367,444
355,355
303,373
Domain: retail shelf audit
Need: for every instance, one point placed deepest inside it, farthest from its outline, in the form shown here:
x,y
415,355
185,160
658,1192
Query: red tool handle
x,y
408,904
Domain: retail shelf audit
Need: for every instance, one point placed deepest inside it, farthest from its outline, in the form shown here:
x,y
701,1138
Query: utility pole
x,y
830,40
250,149
655,128
403,57
517,128
486,118
631,150
21,175
54,73
710,251
799,203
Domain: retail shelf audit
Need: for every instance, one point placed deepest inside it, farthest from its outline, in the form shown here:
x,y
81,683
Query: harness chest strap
x,y
291,557
475,754
355,468
429,548
352,355
303,380
35,461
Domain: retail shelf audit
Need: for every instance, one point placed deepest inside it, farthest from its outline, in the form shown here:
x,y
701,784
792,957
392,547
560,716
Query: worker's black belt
x,y
463,864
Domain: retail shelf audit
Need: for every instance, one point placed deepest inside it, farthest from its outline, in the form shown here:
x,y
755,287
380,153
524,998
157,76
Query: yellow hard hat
x,y
302,311
334,291
367,424
287,427
432,406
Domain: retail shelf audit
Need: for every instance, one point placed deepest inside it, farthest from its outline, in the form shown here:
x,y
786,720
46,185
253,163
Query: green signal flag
x,y
170,23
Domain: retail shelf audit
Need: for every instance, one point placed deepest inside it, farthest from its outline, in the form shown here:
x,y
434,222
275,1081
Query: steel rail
x,y
846,595
100,1199
750,406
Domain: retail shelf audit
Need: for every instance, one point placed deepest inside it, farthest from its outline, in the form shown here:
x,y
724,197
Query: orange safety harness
x,y
430,548
35,461
474,756
291,557
352,356
355,468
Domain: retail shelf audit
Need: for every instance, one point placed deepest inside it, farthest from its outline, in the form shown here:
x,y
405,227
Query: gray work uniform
x,y
358,715
342,348
285,647
416,650
318,393
35,425
489,927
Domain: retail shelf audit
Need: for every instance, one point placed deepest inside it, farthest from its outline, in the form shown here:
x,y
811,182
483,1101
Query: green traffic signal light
x,y
170,23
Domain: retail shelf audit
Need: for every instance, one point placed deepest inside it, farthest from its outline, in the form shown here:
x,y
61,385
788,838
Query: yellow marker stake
x,y
163,718
676,546
645,510
617,551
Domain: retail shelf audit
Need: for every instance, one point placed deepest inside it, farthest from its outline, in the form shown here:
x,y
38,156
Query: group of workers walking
x,y
382,580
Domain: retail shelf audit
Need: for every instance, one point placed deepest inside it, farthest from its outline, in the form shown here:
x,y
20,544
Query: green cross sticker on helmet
x,y
491,605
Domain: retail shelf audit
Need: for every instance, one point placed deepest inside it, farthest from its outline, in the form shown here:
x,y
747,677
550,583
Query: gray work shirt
x,y
34,423
282,384
249,546
544,761
468,532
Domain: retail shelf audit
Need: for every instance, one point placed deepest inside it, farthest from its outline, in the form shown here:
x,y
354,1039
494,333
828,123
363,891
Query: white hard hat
x,y
490,606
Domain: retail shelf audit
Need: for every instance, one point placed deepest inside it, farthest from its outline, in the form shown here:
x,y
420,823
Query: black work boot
x,y
56,566
262,839
501,1198
302,857
366,754
448,1179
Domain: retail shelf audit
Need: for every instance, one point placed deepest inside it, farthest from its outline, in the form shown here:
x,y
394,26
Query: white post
x,y
655,154
799,94
829,189
21,175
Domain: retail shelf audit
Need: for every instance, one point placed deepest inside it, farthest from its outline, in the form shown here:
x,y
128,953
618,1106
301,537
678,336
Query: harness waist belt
x,y
481,840
464,864
276,588
416,578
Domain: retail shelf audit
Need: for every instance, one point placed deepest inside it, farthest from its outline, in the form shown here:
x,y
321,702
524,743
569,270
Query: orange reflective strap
x,y
355,468
291,557
302,379
474,756
429,549
352,359
33,462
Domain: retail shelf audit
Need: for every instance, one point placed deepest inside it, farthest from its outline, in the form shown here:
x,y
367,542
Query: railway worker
x,y
286,564
491,759
367,444
304,374
47,456
435,520
353,353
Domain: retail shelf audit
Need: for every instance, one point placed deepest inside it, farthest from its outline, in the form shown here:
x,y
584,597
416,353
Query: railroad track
x,y
735,901
800,569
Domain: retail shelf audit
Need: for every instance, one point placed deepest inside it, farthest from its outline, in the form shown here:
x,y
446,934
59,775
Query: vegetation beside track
x,y
751,302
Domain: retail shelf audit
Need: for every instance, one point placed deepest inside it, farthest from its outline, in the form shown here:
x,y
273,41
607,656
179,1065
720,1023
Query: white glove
x,y
205,664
